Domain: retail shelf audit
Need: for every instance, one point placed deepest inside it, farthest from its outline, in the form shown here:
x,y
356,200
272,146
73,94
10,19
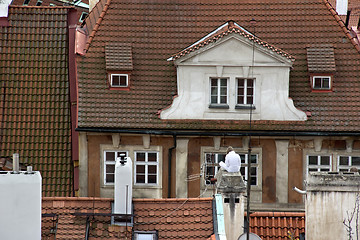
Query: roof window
x,y
119,80
39,2
26,2
83,16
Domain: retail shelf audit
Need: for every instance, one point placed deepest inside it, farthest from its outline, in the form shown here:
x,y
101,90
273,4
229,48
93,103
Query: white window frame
x,y
321,87
256,190
119,75
83,16
146,164
245,91
145,235
346,168
318,166
218,86
112,163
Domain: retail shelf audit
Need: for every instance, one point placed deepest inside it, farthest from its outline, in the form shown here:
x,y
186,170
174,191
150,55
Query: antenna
x,y
253,23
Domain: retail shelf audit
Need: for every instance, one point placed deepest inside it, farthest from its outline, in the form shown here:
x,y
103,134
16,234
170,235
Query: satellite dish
x,y
252,236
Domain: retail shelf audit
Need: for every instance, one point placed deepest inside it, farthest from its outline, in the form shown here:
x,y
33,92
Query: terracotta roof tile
x,y
157,30
321,58
118,56
164,215
34,102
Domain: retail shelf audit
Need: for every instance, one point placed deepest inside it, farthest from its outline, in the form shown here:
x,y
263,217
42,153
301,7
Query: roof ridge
x,y
341,24
98,22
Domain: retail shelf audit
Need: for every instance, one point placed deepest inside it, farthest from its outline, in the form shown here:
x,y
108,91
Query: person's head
x,y
229,149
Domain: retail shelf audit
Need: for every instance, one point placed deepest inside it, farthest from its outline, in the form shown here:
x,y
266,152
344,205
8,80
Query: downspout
x,y
169,165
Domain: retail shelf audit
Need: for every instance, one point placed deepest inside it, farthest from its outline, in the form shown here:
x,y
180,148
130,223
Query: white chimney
x,y
123,186
342,7
16,164
20,201
4,7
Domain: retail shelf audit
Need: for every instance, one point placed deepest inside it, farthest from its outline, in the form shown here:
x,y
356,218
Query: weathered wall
x,y
330,200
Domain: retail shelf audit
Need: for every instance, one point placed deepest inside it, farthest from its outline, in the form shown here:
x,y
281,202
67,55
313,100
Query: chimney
x,y
123,186
4,12
231,187
16,164
342,7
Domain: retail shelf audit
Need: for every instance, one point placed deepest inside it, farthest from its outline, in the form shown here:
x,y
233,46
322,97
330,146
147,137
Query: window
x,y
245,91
83,16
219,91
39,2
109,164
321,82
146,168
26,2
212,167
318,163
145,235
119,80
346,162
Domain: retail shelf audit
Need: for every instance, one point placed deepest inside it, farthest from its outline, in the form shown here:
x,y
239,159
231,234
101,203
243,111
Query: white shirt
x,y
232,162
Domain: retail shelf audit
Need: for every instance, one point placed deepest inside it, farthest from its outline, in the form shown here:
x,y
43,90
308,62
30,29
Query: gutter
x,y
216,133
169,165
219,221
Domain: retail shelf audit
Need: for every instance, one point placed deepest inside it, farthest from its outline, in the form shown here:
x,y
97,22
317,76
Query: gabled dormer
x,y
228,74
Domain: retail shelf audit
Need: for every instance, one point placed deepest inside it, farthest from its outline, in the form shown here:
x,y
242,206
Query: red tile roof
x,y
172,218
34,101
277,225
158,29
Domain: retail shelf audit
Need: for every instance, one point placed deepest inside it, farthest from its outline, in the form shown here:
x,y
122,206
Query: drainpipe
x,y
169,165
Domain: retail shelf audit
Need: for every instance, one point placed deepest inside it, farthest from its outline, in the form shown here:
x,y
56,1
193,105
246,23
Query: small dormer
x,y
119,65
230,73
321,67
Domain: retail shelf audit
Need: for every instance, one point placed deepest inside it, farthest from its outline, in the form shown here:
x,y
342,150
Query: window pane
x,y
325,160
221,157
250,91
214,91
241,91
249,100
242,170
123,81
223,91
152,169
140,169
253,171
214,99
344,161
254,159
240,100
110,156
240,82
140,157
250,83
324,169
326,83
110,178
223,99
115,80
152,179
110,168
152,157
312,169
213,82
140,178
223,82
312,160
317,83
243,160
253,181
355,161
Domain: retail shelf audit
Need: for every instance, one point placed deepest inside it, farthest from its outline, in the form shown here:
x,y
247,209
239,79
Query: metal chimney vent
x,y
123,186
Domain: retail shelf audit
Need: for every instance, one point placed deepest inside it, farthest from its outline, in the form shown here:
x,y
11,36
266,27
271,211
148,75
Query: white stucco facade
x,y
233,57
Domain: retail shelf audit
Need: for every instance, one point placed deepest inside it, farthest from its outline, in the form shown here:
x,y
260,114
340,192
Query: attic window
x,y
321,82
39,2
119,80
119,65
321,66
26,2
145,235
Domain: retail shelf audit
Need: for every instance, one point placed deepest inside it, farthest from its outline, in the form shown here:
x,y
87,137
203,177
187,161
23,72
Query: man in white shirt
x,y
232,161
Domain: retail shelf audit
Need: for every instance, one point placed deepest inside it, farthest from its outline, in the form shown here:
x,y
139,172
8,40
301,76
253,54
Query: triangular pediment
x,y
231,44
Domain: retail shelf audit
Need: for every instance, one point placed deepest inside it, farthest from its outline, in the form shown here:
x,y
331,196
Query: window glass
x,y
318,163
218,90
119,80
146,167
245,91
321,82
109,164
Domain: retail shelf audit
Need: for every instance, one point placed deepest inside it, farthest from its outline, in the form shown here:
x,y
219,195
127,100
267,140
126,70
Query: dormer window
x,y
321,82
119,65
321,66
245,91
119,80
219,92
